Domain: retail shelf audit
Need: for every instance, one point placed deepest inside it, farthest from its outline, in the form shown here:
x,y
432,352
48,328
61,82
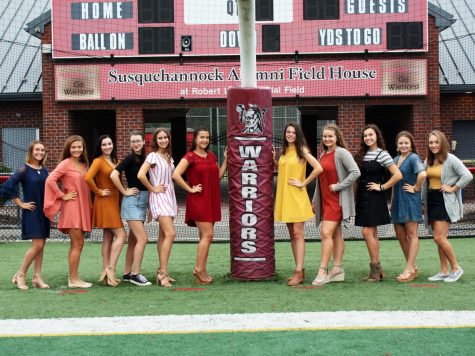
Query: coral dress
x,y
75,213
164,203
106,212
204,206
292,204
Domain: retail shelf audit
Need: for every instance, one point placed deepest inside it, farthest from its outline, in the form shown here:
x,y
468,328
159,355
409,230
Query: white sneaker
x,y
438,277
454,276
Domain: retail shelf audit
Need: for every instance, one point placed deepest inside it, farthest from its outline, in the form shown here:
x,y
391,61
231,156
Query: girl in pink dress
x,y
162,200
73,201
203,201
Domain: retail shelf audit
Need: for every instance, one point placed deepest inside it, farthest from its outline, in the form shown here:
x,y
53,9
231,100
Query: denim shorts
x,y
134,207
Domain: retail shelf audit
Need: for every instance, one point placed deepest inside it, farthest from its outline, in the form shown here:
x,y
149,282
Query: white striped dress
x,y
161,204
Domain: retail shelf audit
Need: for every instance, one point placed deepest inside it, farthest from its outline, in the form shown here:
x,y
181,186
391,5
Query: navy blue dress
x,y
34,224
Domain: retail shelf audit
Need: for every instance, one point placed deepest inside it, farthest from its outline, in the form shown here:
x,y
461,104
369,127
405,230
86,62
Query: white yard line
x,y
169,324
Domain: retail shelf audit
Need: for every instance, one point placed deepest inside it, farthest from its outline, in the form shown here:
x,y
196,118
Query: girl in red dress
x,y
203,201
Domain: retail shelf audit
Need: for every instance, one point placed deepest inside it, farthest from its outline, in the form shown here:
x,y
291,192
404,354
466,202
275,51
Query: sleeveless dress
x,y
204,206
292,204
34,224
371,206
164,203
331,209
407,206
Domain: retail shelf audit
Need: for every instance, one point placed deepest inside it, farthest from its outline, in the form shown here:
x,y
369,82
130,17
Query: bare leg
x,y
328,230
140,241
168,236
413,245
370,235
298,243
77,243
116,247
338,246
206,236
446,251
107,237
401,234
34,253
129,253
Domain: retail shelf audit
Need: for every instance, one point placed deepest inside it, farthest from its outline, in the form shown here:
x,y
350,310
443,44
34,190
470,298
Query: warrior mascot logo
x,y
253,118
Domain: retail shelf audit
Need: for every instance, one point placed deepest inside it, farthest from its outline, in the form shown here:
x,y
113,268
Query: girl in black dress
x,y
371,206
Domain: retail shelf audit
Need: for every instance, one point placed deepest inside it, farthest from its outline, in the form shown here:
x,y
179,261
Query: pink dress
x,y
161,204
75,213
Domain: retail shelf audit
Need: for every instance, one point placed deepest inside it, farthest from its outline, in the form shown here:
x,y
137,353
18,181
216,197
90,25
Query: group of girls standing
x,y
67,191
150,184
372,171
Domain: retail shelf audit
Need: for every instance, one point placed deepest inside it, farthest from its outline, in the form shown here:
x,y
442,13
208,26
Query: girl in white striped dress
x,y
162,199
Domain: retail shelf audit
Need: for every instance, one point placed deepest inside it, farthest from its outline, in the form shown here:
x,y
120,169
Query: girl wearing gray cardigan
x,y
446,176
333,202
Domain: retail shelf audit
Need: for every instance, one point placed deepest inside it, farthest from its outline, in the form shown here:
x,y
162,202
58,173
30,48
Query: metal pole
x,y
247,42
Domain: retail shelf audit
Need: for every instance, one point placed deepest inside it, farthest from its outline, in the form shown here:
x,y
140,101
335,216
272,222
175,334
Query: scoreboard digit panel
x,y
137,28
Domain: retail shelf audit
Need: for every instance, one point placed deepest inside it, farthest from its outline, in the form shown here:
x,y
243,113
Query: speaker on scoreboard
x,y
186,43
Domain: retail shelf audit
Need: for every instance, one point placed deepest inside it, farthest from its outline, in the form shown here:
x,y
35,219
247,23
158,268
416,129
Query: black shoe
x,y
126,277
139,280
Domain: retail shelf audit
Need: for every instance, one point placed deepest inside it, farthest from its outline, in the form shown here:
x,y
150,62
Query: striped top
x,y
164,203
384,159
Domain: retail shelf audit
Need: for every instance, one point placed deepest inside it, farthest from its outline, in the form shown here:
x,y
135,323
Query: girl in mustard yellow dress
x,y
292,203
106,210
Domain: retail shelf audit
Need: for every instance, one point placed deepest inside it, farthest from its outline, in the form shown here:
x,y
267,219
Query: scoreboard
x,y
167,28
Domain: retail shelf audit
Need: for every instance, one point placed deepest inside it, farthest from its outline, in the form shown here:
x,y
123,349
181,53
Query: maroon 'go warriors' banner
x,y
251,168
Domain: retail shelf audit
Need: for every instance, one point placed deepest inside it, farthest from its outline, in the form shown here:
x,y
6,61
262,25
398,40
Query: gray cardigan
x,y
348,172
454,172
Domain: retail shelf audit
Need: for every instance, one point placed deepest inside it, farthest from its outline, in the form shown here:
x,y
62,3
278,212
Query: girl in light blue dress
x,y
406,207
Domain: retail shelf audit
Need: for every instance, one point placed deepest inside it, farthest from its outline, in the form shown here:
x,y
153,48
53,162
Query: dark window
x,y
321,9
270,38
156,11
404,35
264,10
156,40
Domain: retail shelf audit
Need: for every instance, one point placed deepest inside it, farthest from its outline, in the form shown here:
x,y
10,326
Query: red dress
x,y
204,206
331,209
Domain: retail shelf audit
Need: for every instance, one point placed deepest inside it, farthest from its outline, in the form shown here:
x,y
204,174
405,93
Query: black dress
x,y
371,206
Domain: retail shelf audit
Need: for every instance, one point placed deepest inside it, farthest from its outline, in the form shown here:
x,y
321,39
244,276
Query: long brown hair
x,y
98,149
443,148
300,141
409,136
340,141
359,157
67,149
29,153
154,145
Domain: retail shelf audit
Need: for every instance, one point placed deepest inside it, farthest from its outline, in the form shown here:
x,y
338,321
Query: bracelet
x,y
381,187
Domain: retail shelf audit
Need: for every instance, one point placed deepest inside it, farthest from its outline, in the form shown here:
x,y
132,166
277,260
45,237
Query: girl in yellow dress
x,y
292,203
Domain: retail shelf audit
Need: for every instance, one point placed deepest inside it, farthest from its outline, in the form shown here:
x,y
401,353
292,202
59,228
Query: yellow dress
x,y
292,204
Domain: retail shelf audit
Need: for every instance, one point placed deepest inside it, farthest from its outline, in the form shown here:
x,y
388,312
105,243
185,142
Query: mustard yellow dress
x,y
292,204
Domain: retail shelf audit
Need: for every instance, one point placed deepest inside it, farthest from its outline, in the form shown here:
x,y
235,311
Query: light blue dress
x,y
407,206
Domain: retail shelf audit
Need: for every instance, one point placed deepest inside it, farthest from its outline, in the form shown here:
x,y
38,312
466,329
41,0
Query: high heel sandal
x,y
296,279
163,279
406,276
169,277
111,278
339,276
102,276
202,277
38,282
303,275
321,280
19,280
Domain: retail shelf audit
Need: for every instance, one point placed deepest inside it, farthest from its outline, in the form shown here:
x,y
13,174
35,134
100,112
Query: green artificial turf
x,y
228,296
332,342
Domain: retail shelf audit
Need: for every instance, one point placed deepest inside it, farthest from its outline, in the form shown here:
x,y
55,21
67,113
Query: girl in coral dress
x,y
292,204
203,201
106,211
73,201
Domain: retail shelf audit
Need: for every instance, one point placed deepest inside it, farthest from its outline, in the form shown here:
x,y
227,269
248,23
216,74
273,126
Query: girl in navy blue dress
x,y
406,206
35,225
